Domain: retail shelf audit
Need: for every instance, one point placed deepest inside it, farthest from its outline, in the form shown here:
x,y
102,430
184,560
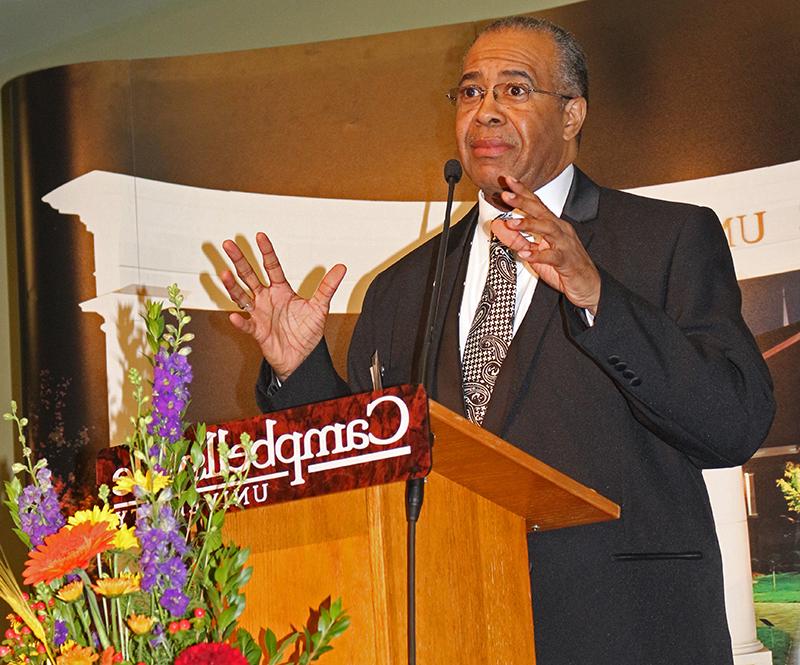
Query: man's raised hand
x,y
285,326
556,253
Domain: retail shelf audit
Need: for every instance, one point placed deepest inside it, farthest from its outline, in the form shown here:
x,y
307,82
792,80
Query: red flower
x,y
66,550
214,653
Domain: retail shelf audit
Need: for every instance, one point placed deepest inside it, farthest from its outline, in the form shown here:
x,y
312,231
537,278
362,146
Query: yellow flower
x,y
140,624
69,593
76,655
150,482
95,516
125,539
111,587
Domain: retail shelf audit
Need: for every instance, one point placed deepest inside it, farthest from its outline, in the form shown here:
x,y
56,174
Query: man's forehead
x,y
526,51
476,75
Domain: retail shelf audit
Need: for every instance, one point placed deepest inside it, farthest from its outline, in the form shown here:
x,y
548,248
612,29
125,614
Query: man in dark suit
x,y
629,366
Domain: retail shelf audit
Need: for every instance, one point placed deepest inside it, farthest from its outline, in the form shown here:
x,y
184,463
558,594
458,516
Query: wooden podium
x,y
473,588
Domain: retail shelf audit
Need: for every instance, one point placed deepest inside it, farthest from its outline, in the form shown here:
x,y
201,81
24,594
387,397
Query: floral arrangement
x,y
165,589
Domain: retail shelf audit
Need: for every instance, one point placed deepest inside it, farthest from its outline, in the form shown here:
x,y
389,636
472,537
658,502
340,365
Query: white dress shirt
x,y
554,196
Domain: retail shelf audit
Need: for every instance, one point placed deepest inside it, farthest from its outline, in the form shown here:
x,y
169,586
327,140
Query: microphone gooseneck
x,y
452,174
415,488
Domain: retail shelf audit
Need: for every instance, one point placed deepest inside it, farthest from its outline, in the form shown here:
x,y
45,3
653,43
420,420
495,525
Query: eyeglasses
x,y
507,94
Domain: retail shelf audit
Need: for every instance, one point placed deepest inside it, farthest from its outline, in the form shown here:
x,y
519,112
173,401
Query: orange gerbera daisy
x,y
66,550
76,655
140,624
69,593
112,587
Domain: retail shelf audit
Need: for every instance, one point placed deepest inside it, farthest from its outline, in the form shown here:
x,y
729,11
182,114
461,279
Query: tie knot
x,y
498,250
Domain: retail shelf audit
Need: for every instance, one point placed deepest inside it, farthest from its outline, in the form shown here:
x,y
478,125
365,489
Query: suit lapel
x,y
580,208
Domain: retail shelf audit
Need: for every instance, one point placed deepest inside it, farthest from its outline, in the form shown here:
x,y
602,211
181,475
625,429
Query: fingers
x,y
269,259
537,217
243,267
327,287
510,237
235,291
242,323
277,278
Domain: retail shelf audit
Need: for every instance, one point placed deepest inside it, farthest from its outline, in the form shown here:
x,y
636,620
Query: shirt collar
x,y
553,195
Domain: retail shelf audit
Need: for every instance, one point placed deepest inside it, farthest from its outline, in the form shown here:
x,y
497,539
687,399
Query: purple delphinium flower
x,y
161,561
158,635
175,602
171,377
60,632
39,510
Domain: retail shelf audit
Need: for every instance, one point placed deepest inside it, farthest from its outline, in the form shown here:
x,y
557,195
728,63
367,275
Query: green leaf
x,y
321,651
213,539
198,459
241,557
221,573
218,519
23,537
248,646
13,489
191,495
270,641
277,656
244,576
226,621
324,621
214,598
341,625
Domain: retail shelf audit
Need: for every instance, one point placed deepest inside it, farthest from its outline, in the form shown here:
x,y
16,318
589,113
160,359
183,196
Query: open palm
x,y
285,326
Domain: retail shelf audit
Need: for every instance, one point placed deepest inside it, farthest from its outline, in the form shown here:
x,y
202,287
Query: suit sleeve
x,y
690,368
315,380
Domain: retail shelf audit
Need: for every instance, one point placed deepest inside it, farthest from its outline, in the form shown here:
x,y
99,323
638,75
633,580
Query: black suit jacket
x,y
668,381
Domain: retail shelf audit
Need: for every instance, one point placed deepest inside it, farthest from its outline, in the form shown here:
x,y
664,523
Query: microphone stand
x,y
415,487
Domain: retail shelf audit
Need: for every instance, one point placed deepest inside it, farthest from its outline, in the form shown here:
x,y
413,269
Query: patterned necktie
x,y
490,333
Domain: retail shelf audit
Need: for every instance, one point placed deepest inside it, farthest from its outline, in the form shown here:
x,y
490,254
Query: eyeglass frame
x,y
452,93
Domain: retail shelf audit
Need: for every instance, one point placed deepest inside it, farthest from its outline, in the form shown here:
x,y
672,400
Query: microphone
x,y
415,488
452,171
452,174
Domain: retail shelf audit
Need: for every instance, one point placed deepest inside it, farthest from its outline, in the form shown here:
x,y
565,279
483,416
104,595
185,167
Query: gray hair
x,y
572,72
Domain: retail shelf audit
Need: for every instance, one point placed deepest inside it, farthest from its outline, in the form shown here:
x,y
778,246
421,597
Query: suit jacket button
x,y
635,381
620,366
629,374
613,360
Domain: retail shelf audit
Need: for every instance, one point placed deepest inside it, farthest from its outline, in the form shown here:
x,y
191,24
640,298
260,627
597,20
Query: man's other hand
x,y
552,247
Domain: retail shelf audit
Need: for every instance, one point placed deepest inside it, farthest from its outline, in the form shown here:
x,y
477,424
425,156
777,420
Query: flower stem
x,y
94,609
69,616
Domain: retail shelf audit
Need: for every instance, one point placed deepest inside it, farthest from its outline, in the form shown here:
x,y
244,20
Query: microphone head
x,y
452,170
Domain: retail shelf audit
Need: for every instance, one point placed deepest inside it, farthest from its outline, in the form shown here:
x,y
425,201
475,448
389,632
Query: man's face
x,y
533,141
